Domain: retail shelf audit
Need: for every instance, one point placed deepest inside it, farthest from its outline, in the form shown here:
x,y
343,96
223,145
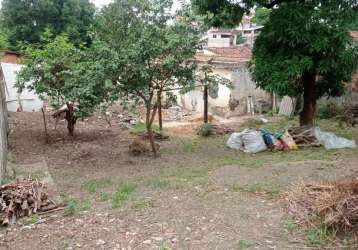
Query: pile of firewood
x,y
23,198
304,136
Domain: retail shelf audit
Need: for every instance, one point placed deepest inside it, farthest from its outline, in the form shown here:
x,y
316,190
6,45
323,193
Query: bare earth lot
x,y
197,195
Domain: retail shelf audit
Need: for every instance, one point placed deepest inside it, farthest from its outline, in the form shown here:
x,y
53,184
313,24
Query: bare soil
x,y
197,195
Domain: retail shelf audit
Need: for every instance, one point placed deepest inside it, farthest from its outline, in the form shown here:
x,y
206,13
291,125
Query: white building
x,y
25,101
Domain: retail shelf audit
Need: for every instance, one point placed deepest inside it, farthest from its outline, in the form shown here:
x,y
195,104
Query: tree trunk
x,y
160,117
309,99
3,130
149,122
71,119
206,96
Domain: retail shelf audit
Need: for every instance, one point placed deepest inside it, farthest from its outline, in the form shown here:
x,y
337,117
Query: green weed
x,y
244,244
122,194
74,206
93,185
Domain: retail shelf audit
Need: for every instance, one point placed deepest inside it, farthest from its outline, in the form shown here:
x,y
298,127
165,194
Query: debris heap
x,y
335,204
23,198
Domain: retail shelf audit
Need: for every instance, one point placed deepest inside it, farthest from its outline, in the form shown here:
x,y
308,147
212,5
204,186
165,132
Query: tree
x,y
210,83
3,41
312,53
62,74
26,20
155,51
261,17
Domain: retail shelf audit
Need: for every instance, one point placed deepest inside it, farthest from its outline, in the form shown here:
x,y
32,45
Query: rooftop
x,y
226,55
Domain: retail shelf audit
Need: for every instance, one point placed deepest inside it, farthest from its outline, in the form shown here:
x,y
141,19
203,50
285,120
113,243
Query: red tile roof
x,y
231,55
354,34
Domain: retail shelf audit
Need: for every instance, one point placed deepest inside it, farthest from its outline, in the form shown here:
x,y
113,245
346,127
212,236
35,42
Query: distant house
x,y
25,101
11,57
229,61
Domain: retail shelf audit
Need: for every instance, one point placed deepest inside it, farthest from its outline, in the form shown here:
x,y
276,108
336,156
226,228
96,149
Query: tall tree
x,y
63,75
26,20
311,54
154,48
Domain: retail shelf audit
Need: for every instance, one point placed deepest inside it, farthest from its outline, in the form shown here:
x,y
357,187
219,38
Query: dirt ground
x,y
197,195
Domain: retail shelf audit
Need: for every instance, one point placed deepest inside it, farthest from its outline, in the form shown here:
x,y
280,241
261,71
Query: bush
x,y
205,130
330,110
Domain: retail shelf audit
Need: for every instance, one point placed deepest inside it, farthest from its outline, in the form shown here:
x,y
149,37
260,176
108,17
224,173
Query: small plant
x,y
74,206
163,247
93,185
121,195
244,244
318,236
206,130
104,196
291,225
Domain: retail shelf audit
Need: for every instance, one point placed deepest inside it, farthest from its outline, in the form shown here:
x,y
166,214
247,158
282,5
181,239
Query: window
x,y
214,36
225,36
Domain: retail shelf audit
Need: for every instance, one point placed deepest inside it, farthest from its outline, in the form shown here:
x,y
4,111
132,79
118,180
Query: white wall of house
x,y
29,101
243,87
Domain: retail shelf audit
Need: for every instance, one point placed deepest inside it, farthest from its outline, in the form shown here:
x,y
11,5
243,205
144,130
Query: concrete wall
x,y
243,87
10,58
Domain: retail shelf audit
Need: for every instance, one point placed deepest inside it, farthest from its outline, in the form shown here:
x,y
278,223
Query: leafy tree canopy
x,y
315,39
155,49
305,47
261,17
60,73
26,20
4,44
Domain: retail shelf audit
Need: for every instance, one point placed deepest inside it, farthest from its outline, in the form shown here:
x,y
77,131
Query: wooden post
x,y
45,125
3,129
206,97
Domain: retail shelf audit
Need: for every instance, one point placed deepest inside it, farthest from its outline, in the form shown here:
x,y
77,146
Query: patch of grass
x,y
104,196
244,244
259,188
319,236
157,183
188,146
122,194
141,128
94,185
164,247
291,225
74,206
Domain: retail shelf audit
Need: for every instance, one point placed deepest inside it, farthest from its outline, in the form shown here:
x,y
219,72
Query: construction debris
x,y
23,198
304,136
335,204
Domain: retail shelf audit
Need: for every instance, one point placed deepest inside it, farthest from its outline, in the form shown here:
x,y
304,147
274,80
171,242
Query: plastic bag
x,y
253,142
331,141
235,141
288,140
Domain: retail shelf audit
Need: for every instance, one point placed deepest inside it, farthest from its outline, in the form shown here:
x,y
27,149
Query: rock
x,y
100,242
147,242
157,238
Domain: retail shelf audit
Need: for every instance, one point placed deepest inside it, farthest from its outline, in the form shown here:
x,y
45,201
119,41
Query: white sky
x,y
100,3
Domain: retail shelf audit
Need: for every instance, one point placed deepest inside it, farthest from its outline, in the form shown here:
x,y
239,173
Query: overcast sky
x,y
100,3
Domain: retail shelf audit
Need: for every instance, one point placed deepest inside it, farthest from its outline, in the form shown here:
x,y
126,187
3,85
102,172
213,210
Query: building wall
x,y
243,88
10,58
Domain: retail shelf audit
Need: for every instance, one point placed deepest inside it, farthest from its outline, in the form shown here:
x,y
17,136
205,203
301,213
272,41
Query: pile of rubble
x,y
23,198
